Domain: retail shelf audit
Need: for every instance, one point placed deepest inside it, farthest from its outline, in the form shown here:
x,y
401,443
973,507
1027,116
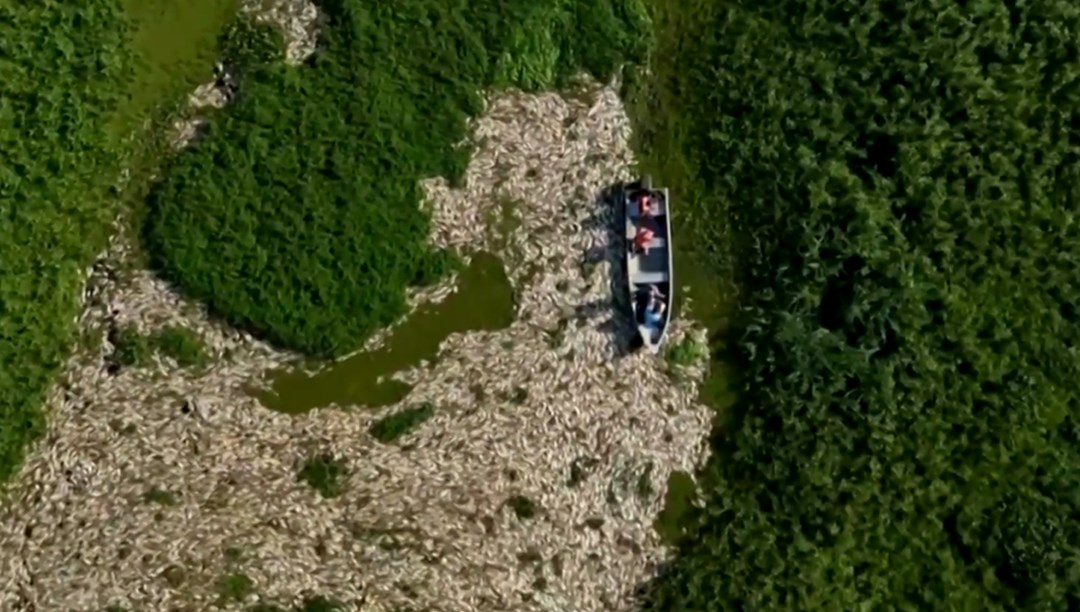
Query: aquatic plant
x,y
896,183
297,216
181,344
58,90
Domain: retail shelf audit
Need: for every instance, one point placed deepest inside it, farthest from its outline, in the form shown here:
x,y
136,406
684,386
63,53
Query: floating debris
x,y
566,429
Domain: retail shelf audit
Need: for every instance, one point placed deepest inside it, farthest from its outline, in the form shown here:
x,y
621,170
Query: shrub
x,y
297,216
57,91
326,474
685,353
903,173
130,348
181,344
397,424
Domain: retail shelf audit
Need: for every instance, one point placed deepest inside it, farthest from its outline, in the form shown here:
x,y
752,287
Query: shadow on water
x,y
484,301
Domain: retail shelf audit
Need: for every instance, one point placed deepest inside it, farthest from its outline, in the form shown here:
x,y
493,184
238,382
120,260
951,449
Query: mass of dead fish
x,y
552,409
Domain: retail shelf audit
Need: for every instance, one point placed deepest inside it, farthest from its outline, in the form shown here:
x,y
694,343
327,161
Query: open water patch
x,y
484,301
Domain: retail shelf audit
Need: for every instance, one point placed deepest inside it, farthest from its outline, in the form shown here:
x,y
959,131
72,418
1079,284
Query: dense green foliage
x,y
59,63
246,45
297,216
903,176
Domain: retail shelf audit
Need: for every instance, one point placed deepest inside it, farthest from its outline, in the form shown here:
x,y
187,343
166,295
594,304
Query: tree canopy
x,y
59,68
900,179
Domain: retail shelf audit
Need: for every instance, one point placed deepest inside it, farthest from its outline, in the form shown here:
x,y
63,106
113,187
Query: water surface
x,y
484,301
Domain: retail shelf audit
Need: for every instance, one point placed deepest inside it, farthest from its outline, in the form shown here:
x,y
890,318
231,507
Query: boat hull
x,y
649,271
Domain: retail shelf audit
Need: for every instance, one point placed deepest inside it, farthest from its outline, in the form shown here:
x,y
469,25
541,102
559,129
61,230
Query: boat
x,y
649,274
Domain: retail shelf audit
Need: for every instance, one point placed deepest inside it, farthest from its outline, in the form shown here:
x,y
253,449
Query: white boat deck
x,y
651,268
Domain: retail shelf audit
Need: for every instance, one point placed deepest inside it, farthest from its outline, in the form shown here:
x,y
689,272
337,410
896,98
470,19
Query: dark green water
x,y
678,502
484,301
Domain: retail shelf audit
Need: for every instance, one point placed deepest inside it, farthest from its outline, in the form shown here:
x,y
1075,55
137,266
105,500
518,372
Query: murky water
x,y
175,44
484,301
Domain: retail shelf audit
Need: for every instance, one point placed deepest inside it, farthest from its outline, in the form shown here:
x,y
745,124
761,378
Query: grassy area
x,y
889,185
74,85
130,347
297,217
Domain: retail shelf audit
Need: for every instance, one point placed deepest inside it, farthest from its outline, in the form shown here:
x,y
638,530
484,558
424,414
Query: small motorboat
x,y
649,270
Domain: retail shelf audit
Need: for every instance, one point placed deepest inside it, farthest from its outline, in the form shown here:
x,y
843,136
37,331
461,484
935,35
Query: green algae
x,y
175,44
484,301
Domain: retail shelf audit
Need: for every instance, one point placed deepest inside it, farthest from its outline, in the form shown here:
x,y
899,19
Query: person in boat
x,y
643,240
647,206
654,312
654,293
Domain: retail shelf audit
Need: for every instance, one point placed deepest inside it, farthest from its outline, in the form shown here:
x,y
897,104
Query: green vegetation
x,y
393,426
484,301
246,45
326,474
77,87
896,179
181,344
57,94
297,215
133,348
235,587
684,354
